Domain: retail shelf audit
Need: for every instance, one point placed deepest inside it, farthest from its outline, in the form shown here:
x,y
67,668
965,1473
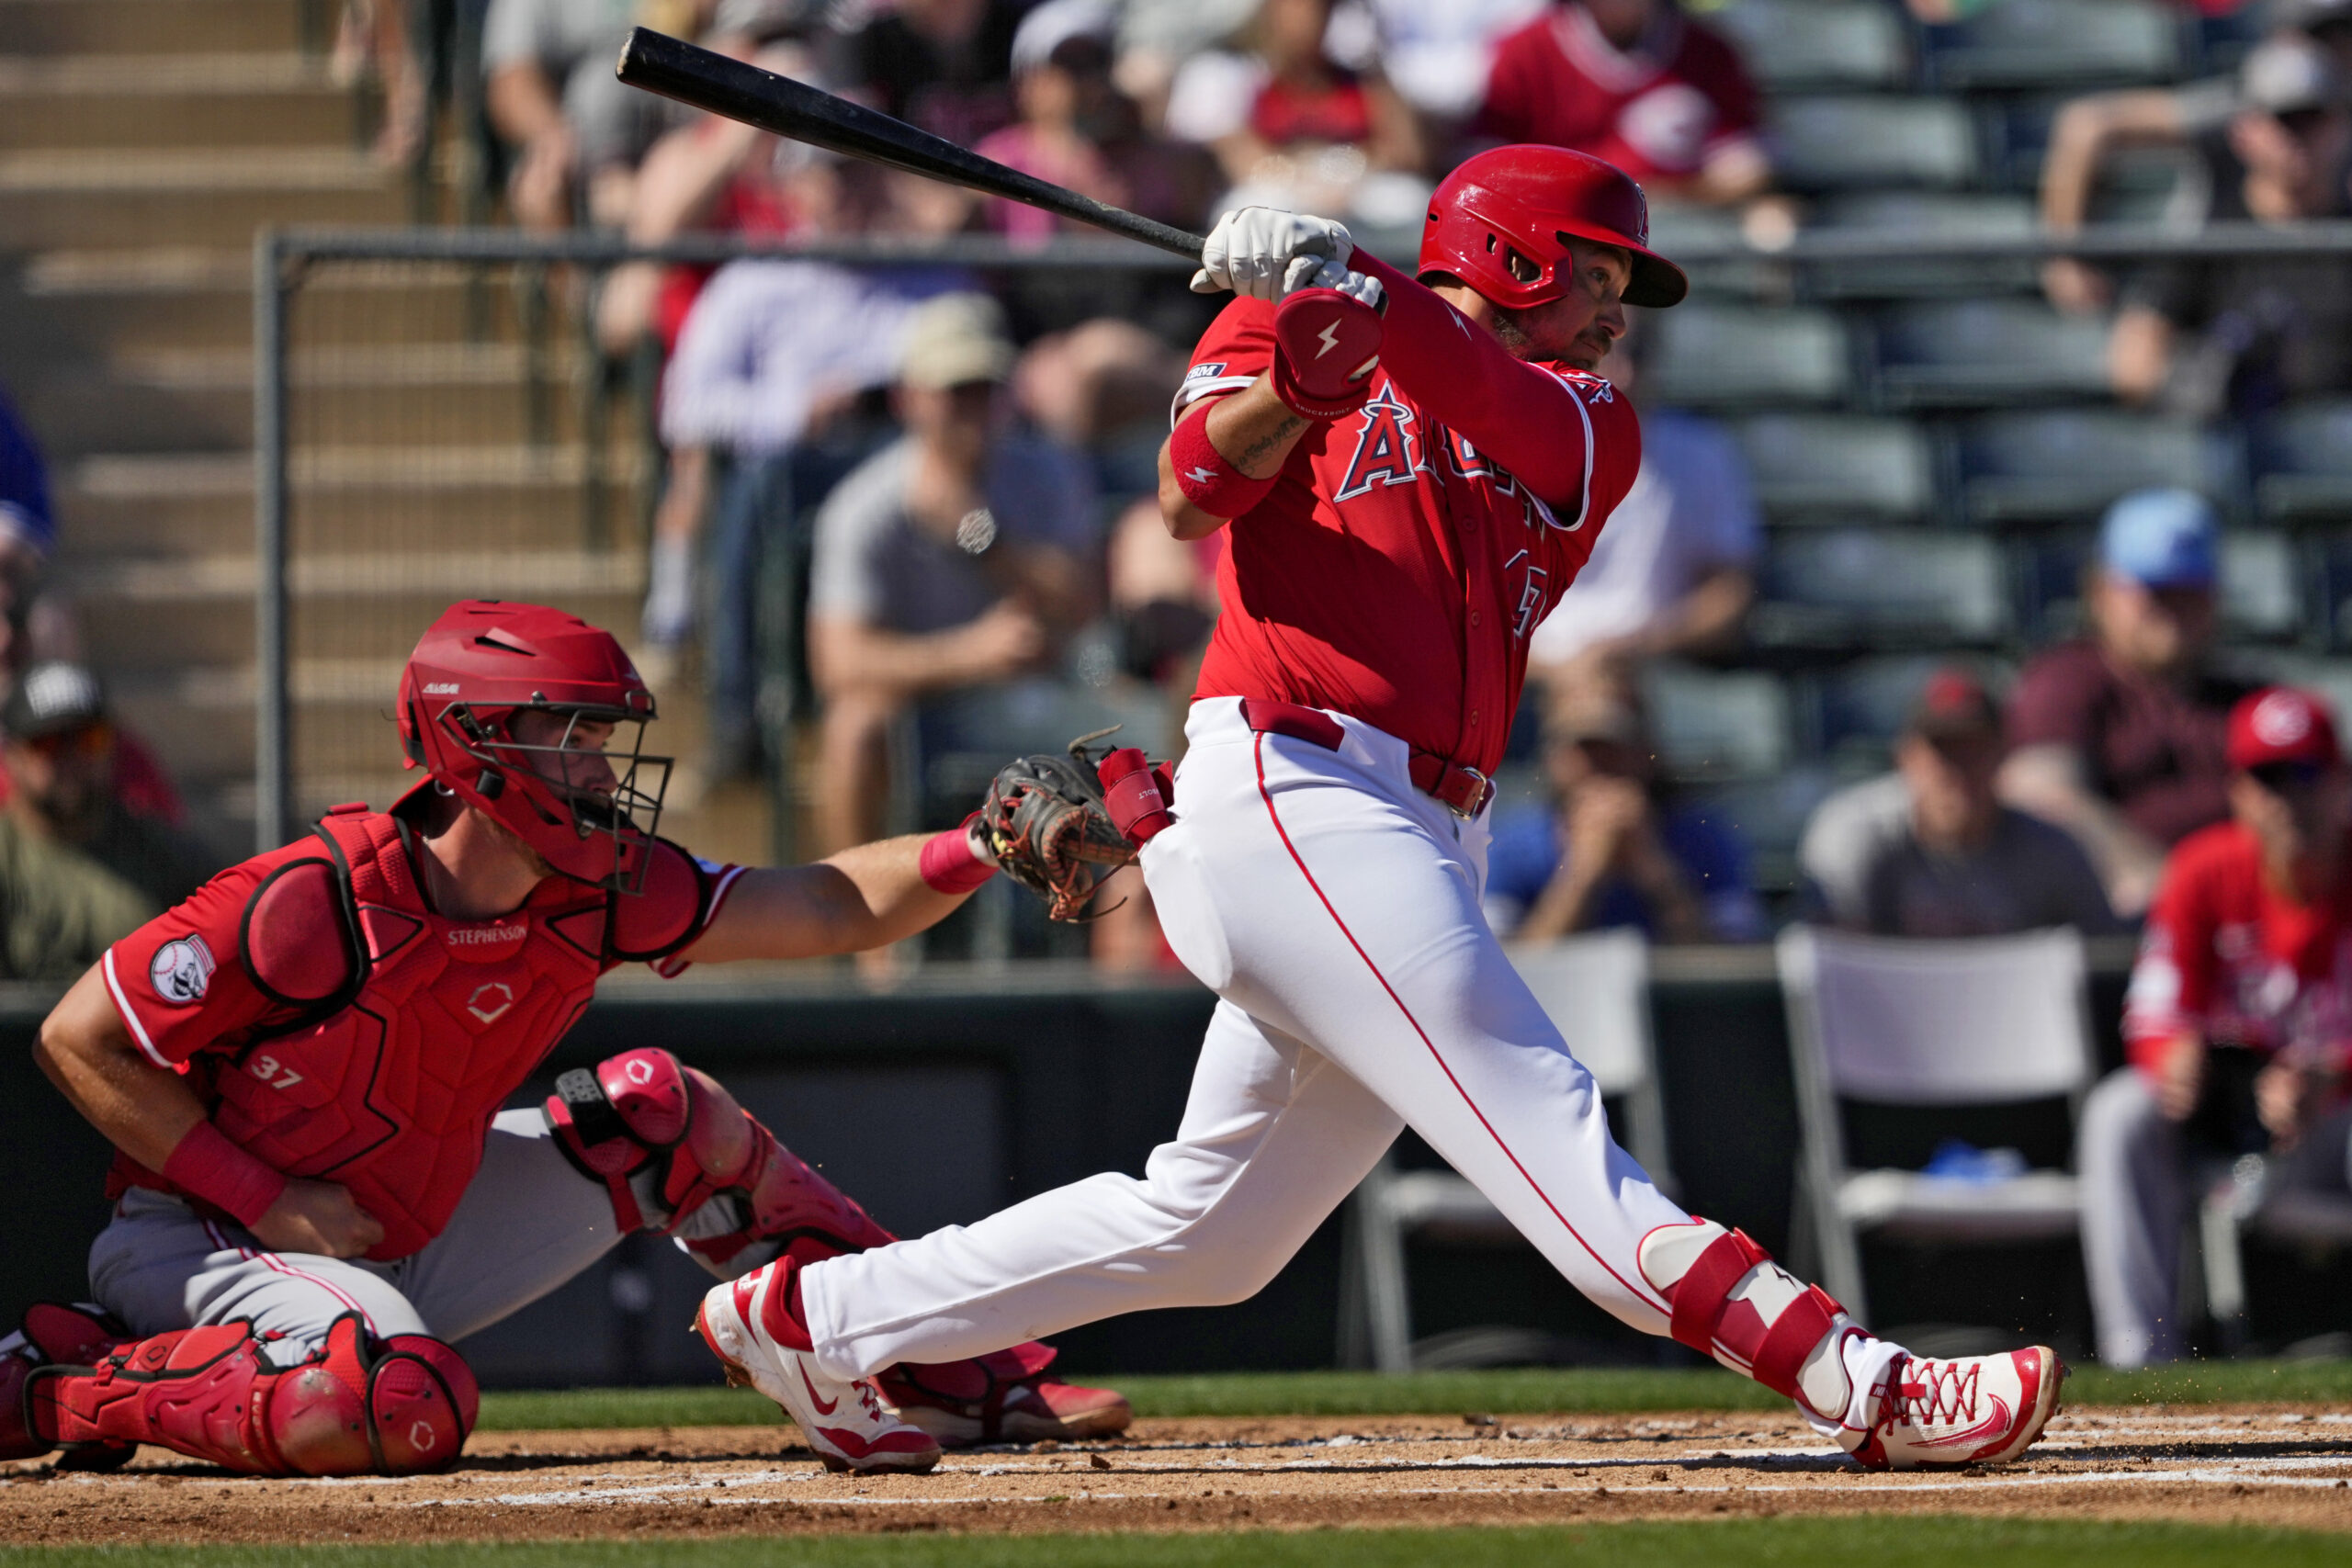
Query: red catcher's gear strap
x,y
1208,481
206,1164
949,864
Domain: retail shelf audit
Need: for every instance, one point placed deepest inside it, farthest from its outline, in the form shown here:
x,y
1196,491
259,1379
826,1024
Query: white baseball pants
x,y
1335,910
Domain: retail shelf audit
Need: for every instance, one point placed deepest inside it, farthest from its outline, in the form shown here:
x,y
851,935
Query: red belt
x,y
1461,789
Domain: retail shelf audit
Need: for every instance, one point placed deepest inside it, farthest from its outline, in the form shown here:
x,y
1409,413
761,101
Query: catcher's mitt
x,y
1046,821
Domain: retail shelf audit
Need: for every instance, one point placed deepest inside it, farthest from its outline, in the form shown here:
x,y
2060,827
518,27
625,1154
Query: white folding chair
x,y
1595,988
1884,1021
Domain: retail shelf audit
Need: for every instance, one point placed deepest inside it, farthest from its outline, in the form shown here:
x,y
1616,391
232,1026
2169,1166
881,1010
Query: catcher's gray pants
x,y
528,1223
2136,1168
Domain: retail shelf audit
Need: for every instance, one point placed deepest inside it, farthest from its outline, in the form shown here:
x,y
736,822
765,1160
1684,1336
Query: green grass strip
x,y
1574,1390
1882,1541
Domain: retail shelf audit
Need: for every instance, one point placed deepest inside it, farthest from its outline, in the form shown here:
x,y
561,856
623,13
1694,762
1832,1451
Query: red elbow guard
x,y
1208,481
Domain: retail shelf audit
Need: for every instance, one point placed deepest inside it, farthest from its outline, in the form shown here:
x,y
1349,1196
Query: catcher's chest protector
x,y
392,1093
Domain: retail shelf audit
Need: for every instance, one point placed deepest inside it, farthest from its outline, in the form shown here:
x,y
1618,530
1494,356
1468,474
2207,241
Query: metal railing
x,y
292,267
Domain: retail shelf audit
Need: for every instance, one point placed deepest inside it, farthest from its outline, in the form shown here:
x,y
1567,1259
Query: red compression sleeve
x,y
1523,416
949,865
206,1164
1207,479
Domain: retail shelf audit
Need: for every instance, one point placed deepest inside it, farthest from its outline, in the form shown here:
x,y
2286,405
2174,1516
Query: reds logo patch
x,y
181,971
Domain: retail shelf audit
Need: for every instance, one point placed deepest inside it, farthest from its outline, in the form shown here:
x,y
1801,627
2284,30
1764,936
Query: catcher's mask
x,y
589,810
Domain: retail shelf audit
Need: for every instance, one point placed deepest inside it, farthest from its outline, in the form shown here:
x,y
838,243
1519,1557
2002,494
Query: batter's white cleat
x,y
745,1322
1975,1410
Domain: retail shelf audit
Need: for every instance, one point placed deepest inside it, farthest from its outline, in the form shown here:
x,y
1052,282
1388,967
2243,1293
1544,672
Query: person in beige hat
x,y
959,555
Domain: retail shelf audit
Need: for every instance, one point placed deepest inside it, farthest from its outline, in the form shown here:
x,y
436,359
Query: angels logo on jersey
x,y
1385,452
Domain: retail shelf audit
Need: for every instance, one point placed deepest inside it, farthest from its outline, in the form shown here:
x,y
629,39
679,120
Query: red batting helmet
x,y
484,661
1501,224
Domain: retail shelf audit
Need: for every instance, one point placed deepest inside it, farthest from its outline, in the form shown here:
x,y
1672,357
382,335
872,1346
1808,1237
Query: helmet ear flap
x,y
412,737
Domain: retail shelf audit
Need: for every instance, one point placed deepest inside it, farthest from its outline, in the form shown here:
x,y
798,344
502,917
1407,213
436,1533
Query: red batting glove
x,y
1327,344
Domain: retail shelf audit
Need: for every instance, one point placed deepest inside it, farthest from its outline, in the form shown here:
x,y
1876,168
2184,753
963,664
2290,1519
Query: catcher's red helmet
x,y
481,662
1501,223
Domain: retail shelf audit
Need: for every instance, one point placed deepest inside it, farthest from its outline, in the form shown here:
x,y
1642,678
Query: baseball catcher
x,y
301,1067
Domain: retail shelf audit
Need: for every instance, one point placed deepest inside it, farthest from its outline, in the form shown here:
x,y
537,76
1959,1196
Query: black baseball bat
x,y
676,69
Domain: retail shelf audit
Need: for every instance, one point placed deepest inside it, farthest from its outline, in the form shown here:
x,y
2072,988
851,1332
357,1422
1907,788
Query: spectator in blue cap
x,y
2117,735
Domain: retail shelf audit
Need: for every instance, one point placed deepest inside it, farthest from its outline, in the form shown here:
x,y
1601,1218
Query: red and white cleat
x,y
1032,1411
1975,1410
750,1325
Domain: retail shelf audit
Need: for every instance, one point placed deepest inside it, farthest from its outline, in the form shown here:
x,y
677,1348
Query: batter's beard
x,y
1522,344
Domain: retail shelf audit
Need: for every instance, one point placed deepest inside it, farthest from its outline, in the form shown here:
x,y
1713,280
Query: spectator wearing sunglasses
x,y
2238,1021
77,869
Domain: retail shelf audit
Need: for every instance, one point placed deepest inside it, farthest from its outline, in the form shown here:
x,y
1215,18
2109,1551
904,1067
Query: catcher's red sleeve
x,y
180,982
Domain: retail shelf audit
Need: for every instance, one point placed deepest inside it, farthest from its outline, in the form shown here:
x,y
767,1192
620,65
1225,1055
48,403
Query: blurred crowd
x,y
905,513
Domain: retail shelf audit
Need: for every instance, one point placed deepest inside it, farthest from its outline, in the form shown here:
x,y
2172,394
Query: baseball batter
x,y
302,1069
1412,472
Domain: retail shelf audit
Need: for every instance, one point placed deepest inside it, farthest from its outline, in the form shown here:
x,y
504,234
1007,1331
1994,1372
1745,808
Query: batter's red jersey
x,y
1395,570
2230,958
1657,111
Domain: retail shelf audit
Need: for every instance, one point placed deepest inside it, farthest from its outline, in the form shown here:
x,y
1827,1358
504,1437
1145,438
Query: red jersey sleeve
x,y
1524,416
180,981
2175,978
1238,348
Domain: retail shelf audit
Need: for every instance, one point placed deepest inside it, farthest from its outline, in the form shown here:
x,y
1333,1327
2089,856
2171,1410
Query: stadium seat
x,y
1884,588
2262,585
1850,143
1595,988
1711,355
1987,353
2057,43
2301,458
2061,464
1839,467
1922,216
1717,724
1790,44
1993,1023
1770,817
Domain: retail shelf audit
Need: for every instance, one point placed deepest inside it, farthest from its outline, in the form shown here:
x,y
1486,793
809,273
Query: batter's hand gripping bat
x,y
660,64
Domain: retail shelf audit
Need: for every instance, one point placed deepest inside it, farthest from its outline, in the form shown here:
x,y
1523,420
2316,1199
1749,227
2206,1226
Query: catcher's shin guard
x,y
357,1406
680,1157
1730,1301
53,1332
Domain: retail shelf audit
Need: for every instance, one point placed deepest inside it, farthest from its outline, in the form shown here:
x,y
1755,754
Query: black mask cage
x,y
630,807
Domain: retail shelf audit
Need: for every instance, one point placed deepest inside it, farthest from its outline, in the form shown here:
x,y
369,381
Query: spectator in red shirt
x,y
2116,736
2238,1020
1638,84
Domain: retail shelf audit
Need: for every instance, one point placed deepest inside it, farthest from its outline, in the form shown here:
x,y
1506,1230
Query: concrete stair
x,y
441,451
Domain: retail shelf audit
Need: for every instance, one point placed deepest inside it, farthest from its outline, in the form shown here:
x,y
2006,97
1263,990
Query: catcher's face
x,y
566,749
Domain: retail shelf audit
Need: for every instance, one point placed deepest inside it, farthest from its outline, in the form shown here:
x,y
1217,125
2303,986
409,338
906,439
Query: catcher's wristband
x,y
1208,481
950,865
206,1164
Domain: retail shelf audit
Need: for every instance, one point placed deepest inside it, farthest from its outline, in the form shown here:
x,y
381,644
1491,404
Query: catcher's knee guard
x,y
680,1157
1730,1301
357,1406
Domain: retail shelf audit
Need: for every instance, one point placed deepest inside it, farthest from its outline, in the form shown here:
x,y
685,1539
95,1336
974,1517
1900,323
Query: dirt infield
x,y
2269,1465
